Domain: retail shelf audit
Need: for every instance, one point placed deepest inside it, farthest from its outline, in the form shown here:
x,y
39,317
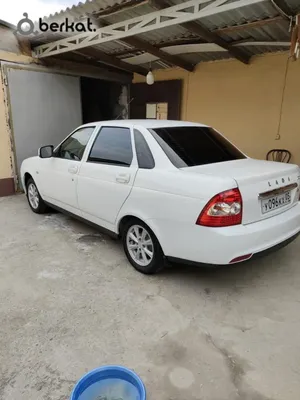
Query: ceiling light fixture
x,y
150,77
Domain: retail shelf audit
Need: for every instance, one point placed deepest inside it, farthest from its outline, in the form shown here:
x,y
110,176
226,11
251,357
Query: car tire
x,y
142,247
36,203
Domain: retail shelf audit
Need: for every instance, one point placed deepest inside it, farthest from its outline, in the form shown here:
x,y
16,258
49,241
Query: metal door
x,y
44,108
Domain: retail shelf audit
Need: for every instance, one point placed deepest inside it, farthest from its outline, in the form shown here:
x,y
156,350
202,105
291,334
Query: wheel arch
x,y
125,218
25,179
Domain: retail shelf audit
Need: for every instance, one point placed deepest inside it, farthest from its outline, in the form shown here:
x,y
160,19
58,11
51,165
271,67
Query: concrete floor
x,y
69,302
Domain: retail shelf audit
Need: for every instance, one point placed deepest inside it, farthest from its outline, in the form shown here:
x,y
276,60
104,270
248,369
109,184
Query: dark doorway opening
x,y
162,92
103,100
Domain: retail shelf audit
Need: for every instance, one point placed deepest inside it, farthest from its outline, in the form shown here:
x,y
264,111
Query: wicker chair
x,y
279,155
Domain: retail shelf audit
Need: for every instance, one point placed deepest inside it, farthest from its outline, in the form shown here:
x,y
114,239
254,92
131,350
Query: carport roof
x,y
249,27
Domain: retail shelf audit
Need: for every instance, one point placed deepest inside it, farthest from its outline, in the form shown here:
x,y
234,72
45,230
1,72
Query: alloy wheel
x,y
33,196
140,245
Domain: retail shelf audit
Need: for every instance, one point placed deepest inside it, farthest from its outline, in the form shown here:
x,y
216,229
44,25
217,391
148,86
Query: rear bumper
x,y
221,245
276,247
255,256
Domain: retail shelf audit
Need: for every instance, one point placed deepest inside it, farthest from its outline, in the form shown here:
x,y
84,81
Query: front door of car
x,y
106,176
59,173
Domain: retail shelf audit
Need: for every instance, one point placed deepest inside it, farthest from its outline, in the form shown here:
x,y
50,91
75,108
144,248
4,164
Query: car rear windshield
x,y
188,146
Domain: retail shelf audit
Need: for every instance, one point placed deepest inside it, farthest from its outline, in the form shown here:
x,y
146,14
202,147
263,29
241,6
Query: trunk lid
x,y
267,188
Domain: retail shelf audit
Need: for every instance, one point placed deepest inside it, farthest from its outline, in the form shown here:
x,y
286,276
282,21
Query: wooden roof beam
x,y
179,41
211,37
214,38
149,48
140,44
111,60
248,25
88,68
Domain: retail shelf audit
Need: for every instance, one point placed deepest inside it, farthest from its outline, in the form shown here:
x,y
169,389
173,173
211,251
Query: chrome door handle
x,y
123,178
73,169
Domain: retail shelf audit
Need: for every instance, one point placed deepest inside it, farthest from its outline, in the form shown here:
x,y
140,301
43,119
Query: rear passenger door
x,y
106,177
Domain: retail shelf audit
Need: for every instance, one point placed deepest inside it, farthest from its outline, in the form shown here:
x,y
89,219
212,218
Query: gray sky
x,y
12,10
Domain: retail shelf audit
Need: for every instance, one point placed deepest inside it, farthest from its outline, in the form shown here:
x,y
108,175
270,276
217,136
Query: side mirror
x,y
46,151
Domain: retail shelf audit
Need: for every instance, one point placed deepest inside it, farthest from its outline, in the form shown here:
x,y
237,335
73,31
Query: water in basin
x,y
110,389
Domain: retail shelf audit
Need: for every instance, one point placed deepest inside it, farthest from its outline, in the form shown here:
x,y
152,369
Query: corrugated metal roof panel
x,y
277,31
133,53
243,14
240,15
89,6
294,5
253,50
156,65
111,47
156,36
171,32
129,13
7,24
196,58
166,34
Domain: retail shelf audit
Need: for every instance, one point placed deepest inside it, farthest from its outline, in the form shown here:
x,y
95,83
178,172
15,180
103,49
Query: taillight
x,y
224,209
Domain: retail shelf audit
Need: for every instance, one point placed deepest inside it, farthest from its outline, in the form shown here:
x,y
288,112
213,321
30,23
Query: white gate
x,y
44,108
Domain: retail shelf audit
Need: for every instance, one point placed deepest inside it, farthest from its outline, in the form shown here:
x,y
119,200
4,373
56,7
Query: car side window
x,y
73,147
112,146
143,152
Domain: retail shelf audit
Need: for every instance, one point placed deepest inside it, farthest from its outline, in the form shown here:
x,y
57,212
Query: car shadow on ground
x,y
272,267
250,273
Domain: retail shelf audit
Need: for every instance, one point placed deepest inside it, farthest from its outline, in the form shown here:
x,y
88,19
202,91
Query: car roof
x,y
146,123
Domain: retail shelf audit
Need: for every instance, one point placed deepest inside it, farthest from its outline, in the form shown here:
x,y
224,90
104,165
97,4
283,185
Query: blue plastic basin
x,y
110,382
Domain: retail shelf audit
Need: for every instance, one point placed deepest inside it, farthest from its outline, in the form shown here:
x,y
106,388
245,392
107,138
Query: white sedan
x,y
171,190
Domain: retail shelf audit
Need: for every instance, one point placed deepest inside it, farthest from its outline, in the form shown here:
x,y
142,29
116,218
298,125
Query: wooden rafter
x,y
149,48
201,48
124,52
205,33
162,45
295,39
248,25
74,62
180,41
107,59
214,38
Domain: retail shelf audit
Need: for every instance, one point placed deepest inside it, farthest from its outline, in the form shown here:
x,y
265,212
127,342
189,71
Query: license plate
x,y
274,202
